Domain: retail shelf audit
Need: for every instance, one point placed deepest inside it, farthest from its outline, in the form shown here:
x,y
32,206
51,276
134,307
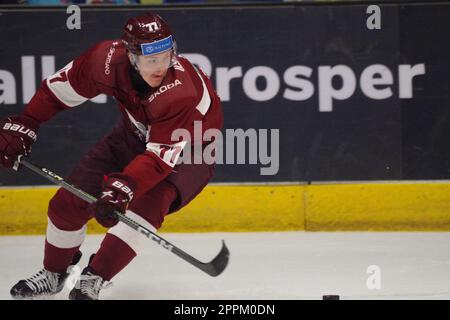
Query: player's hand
x,y
117,193
17,134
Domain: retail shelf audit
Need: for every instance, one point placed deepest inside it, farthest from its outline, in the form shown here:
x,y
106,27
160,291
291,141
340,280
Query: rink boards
x,y
384,206
394,130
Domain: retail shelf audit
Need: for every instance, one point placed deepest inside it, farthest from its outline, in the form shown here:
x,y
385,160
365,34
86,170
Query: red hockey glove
x,y
117,193
17,134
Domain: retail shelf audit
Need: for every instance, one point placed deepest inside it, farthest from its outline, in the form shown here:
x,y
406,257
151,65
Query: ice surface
x,y
275,265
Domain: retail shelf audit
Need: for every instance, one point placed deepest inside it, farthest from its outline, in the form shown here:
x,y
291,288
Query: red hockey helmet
x,y
147,34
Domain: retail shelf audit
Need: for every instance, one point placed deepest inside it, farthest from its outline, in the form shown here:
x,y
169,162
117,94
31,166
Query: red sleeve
x,y
44,105
147,170
67,88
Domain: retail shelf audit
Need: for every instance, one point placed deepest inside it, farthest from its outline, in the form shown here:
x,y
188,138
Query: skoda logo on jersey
x,y
157,46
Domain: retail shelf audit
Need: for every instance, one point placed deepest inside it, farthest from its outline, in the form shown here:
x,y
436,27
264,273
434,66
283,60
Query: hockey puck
x,y
330,297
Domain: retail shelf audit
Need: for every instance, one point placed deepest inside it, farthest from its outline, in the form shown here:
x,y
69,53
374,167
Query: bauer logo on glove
x,y
117,193
20,129
17,134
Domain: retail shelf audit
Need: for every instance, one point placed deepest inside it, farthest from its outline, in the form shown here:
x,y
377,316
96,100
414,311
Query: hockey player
x,y
134,169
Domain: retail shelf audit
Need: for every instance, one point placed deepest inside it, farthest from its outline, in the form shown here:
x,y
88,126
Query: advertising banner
x,y
310,93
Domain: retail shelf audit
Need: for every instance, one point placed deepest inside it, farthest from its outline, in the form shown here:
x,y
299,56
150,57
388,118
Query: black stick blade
x,y
219,263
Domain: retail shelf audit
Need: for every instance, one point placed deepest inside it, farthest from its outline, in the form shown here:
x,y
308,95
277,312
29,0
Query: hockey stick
x,y
215,267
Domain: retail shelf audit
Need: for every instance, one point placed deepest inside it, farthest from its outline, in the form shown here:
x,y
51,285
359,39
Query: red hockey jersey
x,y
184,96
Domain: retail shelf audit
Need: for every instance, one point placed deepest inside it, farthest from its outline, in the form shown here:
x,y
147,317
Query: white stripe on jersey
x,y
62,89
205,102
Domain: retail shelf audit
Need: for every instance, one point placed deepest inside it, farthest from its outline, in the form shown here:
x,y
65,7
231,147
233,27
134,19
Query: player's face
x,y
153,68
